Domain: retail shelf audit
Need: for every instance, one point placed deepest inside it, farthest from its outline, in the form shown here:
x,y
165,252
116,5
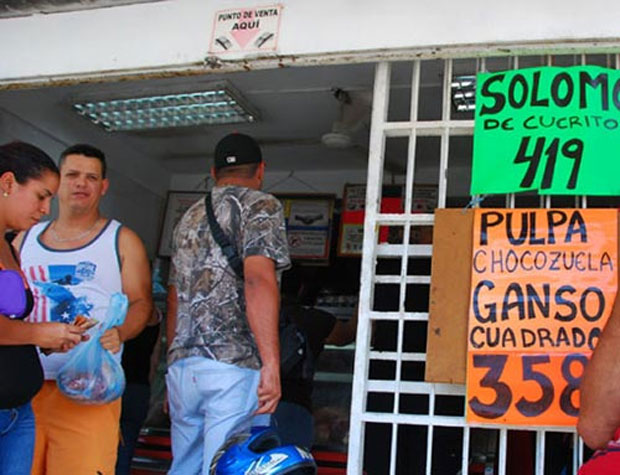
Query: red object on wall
x,y
330,463
353,211
153,457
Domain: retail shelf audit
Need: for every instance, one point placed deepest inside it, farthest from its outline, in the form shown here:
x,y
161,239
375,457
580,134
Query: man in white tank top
x,y
74,264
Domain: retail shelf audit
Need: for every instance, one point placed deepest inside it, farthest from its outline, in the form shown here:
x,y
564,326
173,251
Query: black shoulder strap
x,y
227,248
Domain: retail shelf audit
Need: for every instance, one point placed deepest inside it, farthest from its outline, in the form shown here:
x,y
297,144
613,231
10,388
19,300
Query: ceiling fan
x,y
354,114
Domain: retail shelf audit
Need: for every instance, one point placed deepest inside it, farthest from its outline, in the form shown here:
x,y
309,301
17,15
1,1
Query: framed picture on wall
x,y
309,220
177,203
351,235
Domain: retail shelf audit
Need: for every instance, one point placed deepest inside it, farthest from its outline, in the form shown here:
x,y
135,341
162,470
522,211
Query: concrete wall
x,y
127,200
331,182
175,34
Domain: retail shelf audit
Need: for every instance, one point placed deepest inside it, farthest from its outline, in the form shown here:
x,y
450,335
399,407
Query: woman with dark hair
x,y
28,180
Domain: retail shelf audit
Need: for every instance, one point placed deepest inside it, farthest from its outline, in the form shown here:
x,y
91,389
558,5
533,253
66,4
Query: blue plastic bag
x,y
92,375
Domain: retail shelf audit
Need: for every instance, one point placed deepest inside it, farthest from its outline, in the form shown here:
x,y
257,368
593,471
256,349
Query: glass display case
x,y
331,397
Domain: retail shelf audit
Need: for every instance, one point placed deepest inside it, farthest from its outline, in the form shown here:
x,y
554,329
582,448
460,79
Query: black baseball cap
x,y
237,149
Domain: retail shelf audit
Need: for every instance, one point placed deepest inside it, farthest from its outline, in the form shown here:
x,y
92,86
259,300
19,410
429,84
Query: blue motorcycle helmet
x,y
260,453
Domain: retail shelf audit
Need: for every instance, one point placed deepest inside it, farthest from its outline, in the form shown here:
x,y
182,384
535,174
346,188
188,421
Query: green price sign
x,y
555,130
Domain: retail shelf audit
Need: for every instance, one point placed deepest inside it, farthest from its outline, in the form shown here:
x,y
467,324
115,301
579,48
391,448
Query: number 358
x,y
533,369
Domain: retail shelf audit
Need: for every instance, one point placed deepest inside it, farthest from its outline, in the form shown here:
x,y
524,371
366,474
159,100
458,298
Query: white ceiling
x,y
296,107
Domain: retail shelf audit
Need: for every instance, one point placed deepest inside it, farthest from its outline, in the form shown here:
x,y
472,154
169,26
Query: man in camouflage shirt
x,y
223,356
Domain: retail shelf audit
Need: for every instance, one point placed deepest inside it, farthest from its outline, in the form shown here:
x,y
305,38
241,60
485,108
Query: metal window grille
x,y
398,420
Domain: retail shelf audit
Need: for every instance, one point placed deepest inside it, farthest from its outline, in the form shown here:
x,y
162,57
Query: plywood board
x,y
446,347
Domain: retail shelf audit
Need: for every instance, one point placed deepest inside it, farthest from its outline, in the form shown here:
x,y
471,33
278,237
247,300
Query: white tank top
x,y
70,282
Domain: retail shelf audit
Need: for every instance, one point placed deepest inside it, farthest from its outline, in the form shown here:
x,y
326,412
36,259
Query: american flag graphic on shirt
x,y
56,291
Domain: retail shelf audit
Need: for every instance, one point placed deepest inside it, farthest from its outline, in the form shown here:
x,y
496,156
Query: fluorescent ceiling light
x,y
216,105
464,93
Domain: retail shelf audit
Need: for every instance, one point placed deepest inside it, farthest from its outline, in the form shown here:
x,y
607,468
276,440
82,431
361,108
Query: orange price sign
x,y
543,285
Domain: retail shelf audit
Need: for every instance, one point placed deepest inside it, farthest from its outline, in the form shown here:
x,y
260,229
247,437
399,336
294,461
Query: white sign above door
x,y
246,30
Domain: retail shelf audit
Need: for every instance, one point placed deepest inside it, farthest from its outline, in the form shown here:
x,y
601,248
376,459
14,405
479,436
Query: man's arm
x,y
136,279
343,333
262,298
599,415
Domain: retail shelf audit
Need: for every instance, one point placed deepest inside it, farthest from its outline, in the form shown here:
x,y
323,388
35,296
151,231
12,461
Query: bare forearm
x,y
600,395
262,305
342,334
16,332
262,299
54,335
138,315
136,278
599,413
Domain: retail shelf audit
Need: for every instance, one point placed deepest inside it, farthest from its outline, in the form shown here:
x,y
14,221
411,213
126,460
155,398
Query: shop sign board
x,y
246,29
309,225
351,235
551,129
543,286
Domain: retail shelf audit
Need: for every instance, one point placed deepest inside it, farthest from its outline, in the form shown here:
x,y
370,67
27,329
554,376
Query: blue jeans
x,y
294,424
16,440
209,401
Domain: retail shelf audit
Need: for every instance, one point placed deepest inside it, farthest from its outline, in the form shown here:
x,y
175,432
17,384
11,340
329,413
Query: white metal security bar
x,y
397,388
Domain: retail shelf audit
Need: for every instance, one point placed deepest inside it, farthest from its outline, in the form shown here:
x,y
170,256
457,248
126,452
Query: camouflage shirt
x,y
211,317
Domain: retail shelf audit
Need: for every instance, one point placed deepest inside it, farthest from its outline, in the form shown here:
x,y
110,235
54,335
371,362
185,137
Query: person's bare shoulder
x,y
132,251
128,241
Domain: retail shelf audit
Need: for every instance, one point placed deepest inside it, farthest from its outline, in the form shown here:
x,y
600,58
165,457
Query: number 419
x,y
572,149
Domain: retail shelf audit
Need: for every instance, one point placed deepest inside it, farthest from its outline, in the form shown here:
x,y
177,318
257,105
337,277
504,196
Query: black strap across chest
x,y
229,250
